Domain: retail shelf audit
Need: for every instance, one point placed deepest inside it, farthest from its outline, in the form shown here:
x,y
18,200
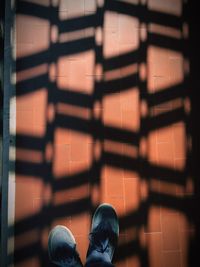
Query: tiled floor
x,y
102,116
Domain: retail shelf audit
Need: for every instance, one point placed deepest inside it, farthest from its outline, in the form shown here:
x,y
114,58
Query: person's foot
x,y
104,234
62,247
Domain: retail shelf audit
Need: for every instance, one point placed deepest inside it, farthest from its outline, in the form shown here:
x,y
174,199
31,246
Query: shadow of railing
x,y
97,129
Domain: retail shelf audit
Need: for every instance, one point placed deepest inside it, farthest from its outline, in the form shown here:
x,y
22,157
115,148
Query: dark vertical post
x,y
2,9
8,91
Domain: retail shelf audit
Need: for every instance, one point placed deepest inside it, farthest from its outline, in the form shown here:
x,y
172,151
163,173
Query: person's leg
x,y
62,248
103,237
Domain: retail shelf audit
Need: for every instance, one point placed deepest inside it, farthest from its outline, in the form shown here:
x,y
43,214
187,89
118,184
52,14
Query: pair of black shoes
x,y
103,240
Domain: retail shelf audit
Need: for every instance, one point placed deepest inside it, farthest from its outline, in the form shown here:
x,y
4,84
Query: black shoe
x,y
62,248
104,234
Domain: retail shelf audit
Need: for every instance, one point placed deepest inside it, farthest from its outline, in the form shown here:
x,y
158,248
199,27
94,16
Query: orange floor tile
x,y
101,118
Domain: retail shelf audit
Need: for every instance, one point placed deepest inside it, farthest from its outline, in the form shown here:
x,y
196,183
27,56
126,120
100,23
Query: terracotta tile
x,y
61,160
40,36
95,194
124,48
154,185
90,6
128,70
113,147
171,259
133,261
113,172
111,21
176,68
129,100
168,188
82,242
28,189
112,75
76,167
179,140
79,151
152,148
74,9
89,59
154,224
47,194
71,110
23,50
62,82
165,154
163,108
32,72
80,137
184,245
65,221
23,29
144,190
128,174
156,84
128,30
71,152
40,101
132,194
142,237
103,184
164,30
158,59
80,147
165,134
114,182
25,120
63,66
63,5
171,7
66,195
29,155
54,32
37,204
111,39
62,136
80,224
77,76
143,147
130,150
112,110
170,230
154,245
130,120
114,186
180,164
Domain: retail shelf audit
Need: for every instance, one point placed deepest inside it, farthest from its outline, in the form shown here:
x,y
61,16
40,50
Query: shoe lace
x,y
102,238
66,257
